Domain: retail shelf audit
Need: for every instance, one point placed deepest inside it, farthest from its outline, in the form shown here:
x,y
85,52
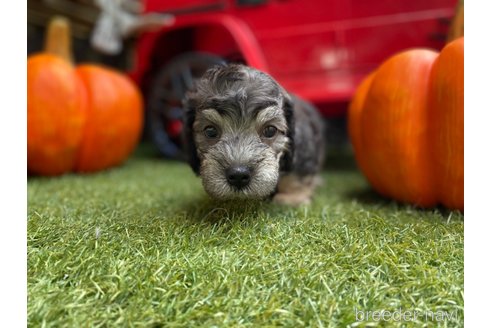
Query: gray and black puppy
x,y
248,138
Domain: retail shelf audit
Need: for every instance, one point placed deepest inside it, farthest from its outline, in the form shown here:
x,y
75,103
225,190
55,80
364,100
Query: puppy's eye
x,y
270,131
211,132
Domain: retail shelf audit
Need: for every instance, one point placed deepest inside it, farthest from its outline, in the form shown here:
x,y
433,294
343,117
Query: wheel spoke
x,y
177,86
187,76
165,95
175,113
168,111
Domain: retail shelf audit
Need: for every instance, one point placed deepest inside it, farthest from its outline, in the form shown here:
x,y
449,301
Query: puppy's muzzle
x,y
238,176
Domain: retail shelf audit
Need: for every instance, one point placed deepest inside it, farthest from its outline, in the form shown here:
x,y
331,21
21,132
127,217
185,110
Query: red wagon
x,y
317,49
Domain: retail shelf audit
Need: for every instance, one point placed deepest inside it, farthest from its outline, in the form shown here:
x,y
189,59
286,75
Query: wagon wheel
x,y
164,107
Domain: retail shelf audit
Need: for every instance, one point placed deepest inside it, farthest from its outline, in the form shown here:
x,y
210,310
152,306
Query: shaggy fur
x,y
238,104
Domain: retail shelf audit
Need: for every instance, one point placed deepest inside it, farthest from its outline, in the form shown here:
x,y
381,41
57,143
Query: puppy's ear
x,y
287,160
189,107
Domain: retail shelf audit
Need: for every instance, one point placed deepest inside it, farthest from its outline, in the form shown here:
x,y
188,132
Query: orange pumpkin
x,y
406,127
446,123
114,119
82,119
56,114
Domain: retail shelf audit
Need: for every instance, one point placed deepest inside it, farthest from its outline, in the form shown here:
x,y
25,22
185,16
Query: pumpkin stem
x,y
58,41
457,28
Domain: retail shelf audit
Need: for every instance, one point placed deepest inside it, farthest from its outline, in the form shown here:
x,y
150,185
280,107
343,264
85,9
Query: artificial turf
x,y
142,245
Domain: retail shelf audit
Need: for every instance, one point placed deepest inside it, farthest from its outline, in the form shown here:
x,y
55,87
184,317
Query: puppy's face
x,y
240,132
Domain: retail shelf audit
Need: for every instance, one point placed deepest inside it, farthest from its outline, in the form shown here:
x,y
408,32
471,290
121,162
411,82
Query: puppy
x,y
249,139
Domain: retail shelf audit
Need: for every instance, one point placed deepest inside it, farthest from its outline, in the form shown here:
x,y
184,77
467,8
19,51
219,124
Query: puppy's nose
x,y
238,176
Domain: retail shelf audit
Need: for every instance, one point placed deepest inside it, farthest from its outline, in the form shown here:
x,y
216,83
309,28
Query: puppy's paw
x,y
292,199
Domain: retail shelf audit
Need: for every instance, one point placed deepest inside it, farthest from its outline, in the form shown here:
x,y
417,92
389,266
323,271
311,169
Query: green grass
x,y
142,245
